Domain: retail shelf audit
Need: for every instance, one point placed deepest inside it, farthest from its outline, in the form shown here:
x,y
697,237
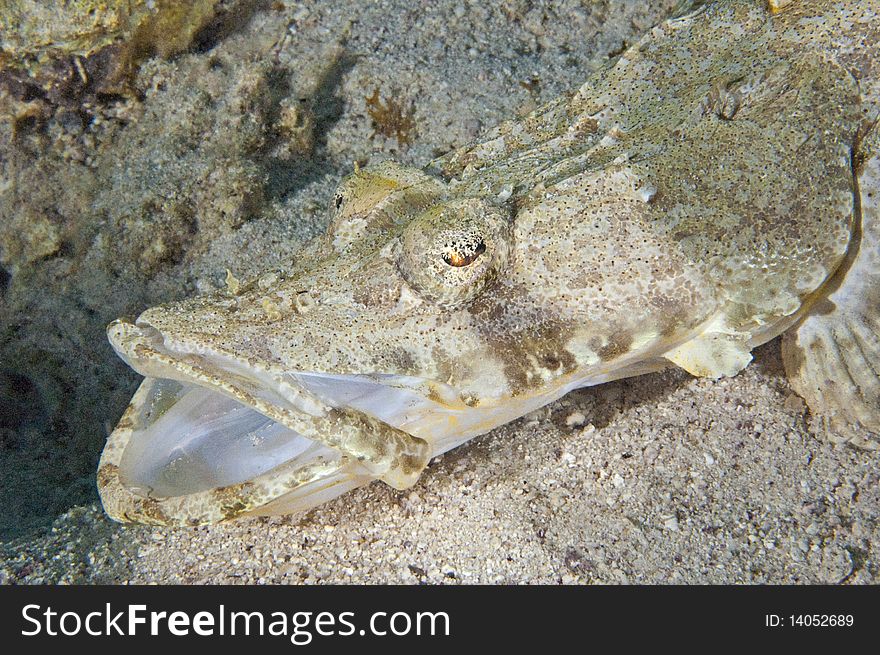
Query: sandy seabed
x,y
658,479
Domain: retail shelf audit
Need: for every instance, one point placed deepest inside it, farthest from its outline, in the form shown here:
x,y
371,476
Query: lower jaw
x,y
195,439
208,480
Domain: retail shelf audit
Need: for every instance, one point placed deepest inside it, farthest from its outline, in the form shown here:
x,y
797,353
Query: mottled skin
x,y
698,197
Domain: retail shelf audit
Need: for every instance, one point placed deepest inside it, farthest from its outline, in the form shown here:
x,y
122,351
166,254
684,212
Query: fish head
x,y
420,319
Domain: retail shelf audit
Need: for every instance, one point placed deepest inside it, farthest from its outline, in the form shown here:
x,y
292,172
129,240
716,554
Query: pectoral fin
x,y
832,356
712,355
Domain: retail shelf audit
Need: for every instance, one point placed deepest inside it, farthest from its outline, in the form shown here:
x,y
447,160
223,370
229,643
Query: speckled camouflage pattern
x,y
689,202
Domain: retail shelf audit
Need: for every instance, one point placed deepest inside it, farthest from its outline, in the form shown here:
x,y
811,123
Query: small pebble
x,y
575,419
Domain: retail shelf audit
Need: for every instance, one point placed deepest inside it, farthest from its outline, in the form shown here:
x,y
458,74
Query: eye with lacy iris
x,y
464,254
454,250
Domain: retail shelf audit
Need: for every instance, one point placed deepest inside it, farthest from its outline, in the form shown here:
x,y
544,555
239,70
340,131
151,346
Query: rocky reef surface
x,y
136,169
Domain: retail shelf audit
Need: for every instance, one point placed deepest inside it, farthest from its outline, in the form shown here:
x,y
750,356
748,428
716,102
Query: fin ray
x,y
832,355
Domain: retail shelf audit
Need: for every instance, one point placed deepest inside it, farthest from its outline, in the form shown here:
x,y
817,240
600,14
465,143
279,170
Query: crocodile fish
x,y
715,186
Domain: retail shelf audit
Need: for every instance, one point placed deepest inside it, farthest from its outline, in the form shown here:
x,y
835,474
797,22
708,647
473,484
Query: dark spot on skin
x,y
403,360
233,510
544,344
860,155
487,308
233,499
551,362
673,317
371,430
106,474
668,328
618,344
152,510
124,423
410,464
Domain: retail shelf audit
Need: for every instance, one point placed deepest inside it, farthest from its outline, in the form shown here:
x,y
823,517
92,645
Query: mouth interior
x,y
189,438
195,439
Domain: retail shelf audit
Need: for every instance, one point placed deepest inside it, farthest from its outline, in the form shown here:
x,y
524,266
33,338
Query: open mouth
x,y
194,439
208,437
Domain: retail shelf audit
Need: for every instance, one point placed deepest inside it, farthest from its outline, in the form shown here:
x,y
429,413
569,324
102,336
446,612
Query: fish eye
x,y
454,250
459,255
338,200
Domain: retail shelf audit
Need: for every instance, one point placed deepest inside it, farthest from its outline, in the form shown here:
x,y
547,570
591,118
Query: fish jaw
x,y
125,488
209,437
195,448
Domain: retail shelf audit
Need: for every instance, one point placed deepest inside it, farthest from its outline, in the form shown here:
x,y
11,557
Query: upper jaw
x,y
398,400
148,352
